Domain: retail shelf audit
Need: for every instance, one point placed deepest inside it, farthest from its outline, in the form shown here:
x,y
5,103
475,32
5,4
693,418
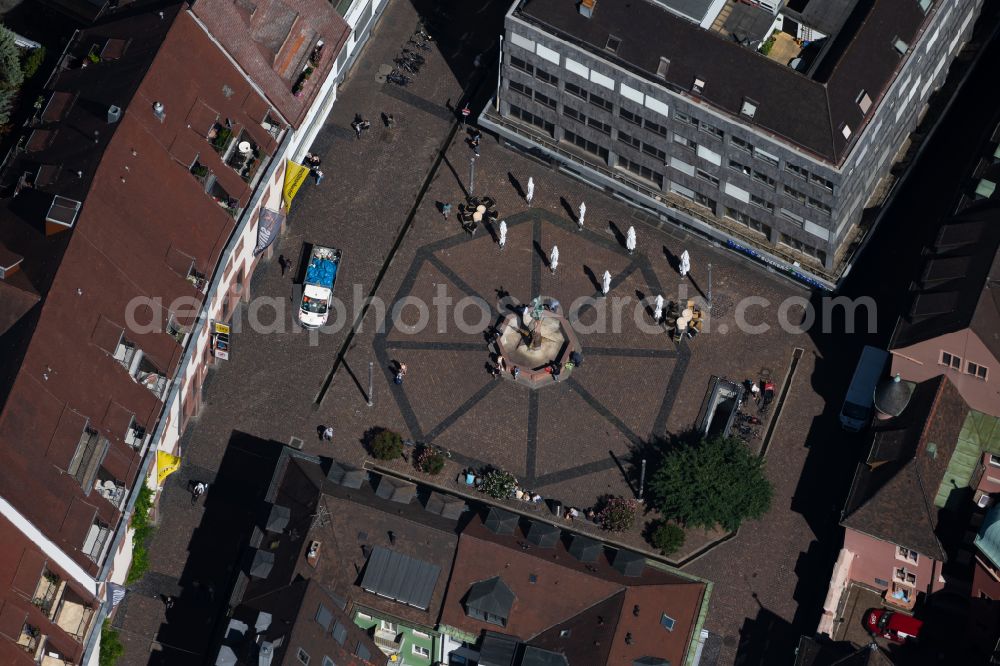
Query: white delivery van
x,y
857,409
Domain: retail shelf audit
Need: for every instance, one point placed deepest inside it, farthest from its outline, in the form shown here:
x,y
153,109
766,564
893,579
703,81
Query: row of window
x,y
532,119
955,363
589,121
536,72
539,97
588,96
804,248
699,124
749,221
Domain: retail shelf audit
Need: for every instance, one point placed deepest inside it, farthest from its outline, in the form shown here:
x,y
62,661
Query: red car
x,y
896,627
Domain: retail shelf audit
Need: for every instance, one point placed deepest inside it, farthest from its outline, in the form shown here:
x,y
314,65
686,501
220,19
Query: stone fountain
x,y
535,340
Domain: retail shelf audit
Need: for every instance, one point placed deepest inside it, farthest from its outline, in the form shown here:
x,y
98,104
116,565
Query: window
x,y
712,129
532,119
761,203
89,454
925,5
686,142
685,118
175,330
628,116
995,460
302,656
821,181
641,171
797,170
532,578
570,112
519,88
819,205
661,69
421,651
517,63
600,102
765,157
742,168
326,660
794,217
96,540
741,144
599,126
655,127
761,177
795,194
667,622
706,176
864,101
545,100
904,576
881,582
900,46
613,43
698,86
545,77
907,554
629,140
845,129
565,633
976,370
576,90
583,143
654,151
796,244
749,221
951,360
749,108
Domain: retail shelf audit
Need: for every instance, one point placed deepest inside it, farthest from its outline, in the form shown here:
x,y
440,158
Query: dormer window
x,y
271,125
613,44
749,108
864,101
846,131
135,435
661,69
125,353
96,540
899,46
698,87
175,330
89,454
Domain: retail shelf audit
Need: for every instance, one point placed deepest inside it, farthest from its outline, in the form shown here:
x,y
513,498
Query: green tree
x,y
666,537
387,445
711,482
33,61
111,645
11,75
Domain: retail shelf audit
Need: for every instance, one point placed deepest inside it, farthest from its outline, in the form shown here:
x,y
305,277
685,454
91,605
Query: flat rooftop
x,y
809,109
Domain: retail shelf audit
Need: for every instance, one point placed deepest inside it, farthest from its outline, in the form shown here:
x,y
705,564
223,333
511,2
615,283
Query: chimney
x,y
114,114
587,7
10,263
159,111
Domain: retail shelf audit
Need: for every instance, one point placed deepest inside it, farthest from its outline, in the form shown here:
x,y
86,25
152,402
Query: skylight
x,y
749,108
613,44
667,622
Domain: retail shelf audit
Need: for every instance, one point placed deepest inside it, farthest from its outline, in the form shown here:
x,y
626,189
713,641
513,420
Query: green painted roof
x,y
980,434
988,539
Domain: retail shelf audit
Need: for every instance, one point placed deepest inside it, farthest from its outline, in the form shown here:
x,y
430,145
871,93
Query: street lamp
x,y
371,383
710,286
472,173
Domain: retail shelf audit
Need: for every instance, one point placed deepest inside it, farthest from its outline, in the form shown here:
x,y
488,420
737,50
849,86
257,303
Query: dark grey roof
x,y
892,395
346,475
278,518
826,16
397,490
497,650
263,562
491,596
534,656
629,563
584,548
500,521
956,287
400,577
692,9
542,534
446,506
808,112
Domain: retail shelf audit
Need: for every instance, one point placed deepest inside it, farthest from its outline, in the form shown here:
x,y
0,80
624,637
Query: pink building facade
x,y
899,571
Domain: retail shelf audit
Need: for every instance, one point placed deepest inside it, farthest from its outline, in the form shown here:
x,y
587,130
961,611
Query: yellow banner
x,y
166,465
295,175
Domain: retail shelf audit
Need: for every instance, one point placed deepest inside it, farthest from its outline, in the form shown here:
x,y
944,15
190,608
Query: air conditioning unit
x,y
982,499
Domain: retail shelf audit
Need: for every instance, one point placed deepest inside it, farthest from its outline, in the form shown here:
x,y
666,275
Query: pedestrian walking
x,y
400,372
516,371
606,283
284,264
685,264
554,259
502,238
530,194
328,433
579,218
318,175
168,601
658,309
446,210
630,241
197,491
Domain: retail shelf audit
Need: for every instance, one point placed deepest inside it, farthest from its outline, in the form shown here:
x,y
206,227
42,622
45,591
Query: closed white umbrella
x,y
583,212
630,240
554,258
685,263
503,233
606,283
531,190
658,309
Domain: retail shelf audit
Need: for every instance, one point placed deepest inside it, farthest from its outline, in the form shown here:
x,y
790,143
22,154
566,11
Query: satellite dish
x,y
245,147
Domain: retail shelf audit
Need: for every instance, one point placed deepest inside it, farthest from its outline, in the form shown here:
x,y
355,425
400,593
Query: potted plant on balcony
x,y
221,140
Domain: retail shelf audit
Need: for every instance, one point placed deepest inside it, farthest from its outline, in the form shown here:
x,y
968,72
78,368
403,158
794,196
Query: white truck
x,y
317,291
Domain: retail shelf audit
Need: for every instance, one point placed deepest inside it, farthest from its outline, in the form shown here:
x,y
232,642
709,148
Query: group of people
x,y
359,124
313,161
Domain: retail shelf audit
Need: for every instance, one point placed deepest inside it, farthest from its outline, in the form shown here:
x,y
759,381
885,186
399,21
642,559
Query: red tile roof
x,y
555,593
144,209
272,40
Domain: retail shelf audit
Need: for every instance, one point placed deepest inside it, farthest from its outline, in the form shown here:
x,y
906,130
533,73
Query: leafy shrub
x,y
34,60
111,645
667,538
143,530
618,514
387,445
498,484
430,461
